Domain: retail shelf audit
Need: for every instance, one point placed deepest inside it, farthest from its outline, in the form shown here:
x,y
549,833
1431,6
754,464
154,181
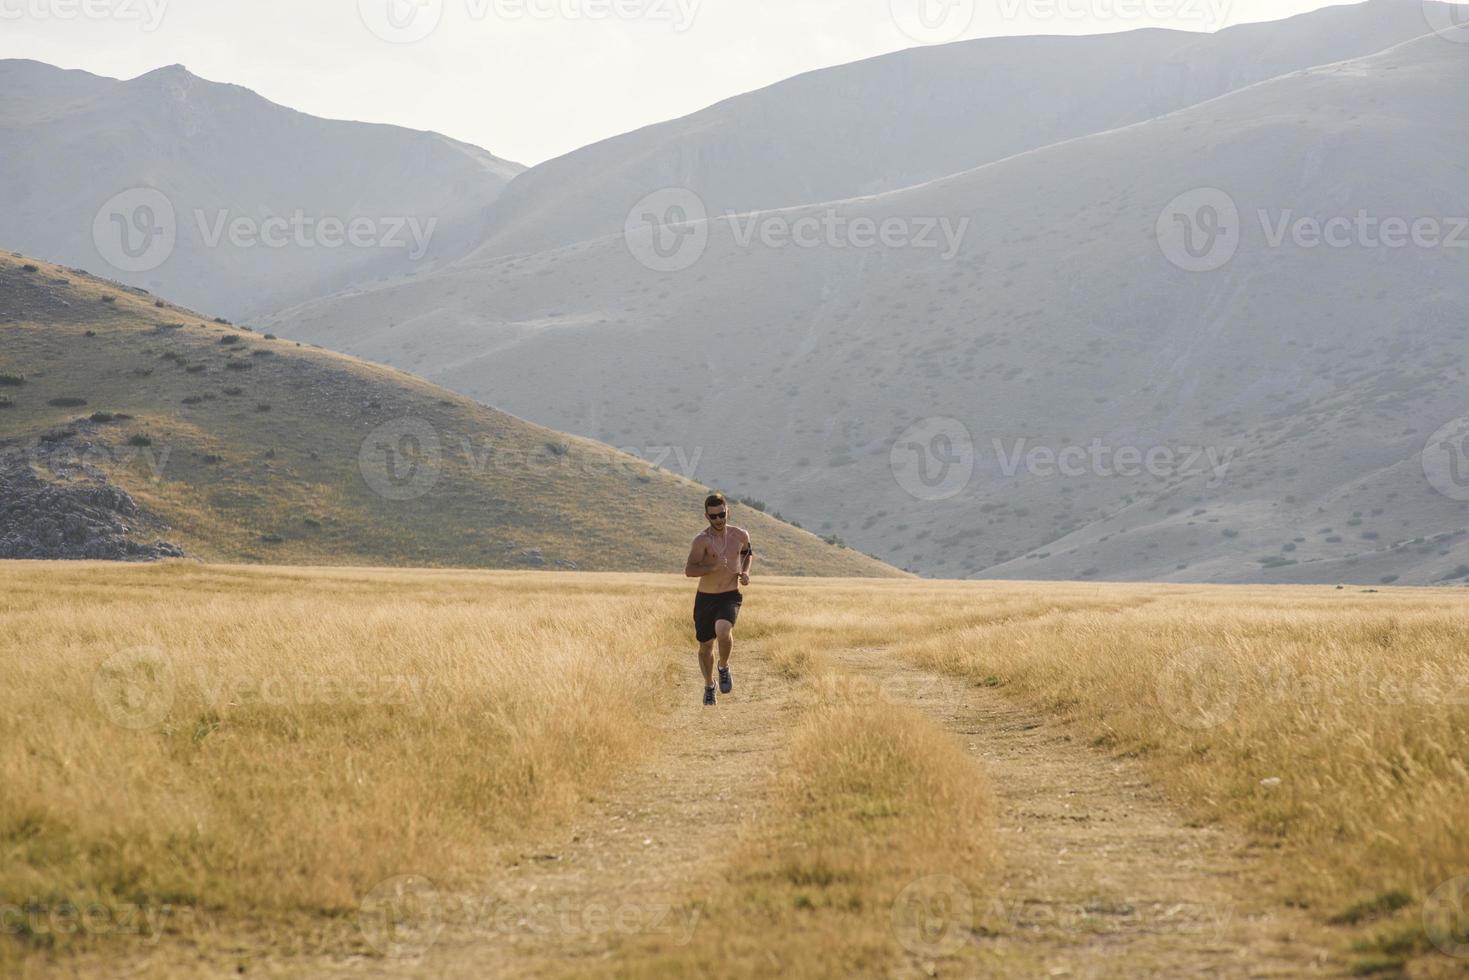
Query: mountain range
x,y
1032,307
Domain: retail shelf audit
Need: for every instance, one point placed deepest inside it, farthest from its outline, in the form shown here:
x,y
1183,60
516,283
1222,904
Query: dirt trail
x,y
641,858
1100,876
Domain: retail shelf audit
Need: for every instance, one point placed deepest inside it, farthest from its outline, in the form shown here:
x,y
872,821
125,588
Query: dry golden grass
x,y
878,845
330,728
316,731
1356,703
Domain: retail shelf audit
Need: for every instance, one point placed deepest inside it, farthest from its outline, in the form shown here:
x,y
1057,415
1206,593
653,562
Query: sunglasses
x,y
720,516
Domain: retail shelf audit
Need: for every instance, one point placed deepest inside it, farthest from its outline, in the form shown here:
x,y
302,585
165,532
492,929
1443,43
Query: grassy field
x,y
1333,722
261,747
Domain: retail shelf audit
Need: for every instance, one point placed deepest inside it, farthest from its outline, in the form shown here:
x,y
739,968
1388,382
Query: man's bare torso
x,y
725,551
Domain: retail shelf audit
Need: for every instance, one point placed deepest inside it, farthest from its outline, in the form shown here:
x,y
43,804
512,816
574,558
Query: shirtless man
x,y
720,559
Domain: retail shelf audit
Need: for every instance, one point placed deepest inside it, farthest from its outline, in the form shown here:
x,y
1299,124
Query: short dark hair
x,y
715,500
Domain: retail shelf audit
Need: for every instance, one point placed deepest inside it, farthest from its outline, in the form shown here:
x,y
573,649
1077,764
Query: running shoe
x,y
708,695
726,683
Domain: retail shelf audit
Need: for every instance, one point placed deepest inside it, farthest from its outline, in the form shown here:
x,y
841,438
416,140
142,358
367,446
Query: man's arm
x,y
747,559
700,562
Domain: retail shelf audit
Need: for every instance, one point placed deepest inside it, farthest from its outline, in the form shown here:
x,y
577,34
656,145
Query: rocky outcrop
x,y
86,517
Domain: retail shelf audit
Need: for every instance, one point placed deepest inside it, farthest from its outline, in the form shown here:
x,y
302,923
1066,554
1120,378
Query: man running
x,y
720,559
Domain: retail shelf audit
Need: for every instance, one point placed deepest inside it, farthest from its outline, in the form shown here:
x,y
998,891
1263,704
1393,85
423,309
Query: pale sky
x,y
532,79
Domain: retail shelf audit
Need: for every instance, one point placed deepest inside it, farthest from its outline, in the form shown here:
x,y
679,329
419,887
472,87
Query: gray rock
x,y
43,520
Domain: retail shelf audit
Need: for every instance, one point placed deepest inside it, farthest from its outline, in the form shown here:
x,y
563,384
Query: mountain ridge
x,y
1053,281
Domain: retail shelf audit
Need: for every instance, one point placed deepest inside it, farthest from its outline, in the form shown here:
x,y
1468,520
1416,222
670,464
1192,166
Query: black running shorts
x,y
710,607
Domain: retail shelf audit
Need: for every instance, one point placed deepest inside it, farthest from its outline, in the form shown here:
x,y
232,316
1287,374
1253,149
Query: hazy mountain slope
x,y
264,450
73,141
912,116
1060,321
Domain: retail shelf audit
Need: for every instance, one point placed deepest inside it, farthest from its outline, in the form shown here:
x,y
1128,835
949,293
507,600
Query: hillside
x,y
242,447
209,155
1317,375
917,115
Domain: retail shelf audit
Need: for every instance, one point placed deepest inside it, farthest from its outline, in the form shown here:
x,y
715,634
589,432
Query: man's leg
x,y
724,631
706,661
